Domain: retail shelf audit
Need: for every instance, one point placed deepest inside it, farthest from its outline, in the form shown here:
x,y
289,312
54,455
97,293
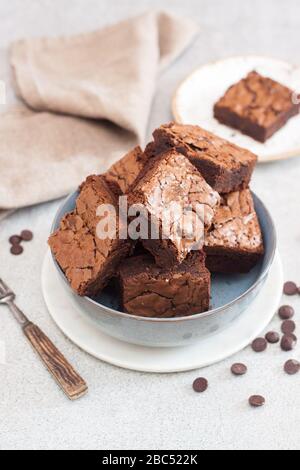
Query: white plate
x,y
66,314
195,98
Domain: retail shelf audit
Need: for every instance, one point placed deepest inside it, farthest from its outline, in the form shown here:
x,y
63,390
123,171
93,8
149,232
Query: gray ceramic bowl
x,y
231,295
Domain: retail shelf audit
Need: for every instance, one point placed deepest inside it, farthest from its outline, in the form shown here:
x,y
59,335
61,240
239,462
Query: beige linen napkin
x,y
90,98
45,156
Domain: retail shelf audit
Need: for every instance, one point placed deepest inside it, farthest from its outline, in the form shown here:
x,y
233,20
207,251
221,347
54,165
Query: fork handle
x,y
67,378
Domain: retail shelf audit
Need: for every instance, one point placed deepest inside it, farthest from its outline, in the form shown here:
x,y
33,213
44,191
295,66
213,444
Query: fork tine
x,y
4,289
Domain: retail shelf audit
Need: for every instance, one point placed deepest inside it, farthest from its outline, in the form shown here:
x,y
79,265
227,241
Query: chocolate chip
x,y
292,367
288,342
259,345
272,337
256,401
200,385
16,250
239,369
290,288
286,312
15,240
26,235
288,327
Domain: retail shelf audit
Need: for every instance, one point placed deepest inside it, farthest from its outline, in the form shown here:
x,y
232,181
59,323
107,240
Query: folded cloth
x,y
106,79
108,74
45,156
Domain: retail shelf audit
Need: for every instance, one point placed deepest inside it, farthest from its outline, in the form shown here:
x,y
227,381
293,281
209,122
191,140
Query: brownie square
x,y
168,180
150,291
88,261
124,172
225,166
234,243
257,106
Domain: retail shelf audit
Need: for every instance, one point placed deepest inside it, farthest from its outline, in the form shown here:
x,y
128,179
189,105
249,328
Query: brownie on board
x,y
257,106
124,172
166,180
88,261
234,243
150,291
225,166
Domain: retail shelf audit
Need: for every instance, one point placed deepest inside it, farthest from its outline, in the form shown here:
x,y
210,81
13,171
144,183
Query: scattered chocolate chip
x,y
16,250
288,342
15,240
200,385
272,337
26,235
256,401
239,369
292,367
259,345
290,288
288,327
286,312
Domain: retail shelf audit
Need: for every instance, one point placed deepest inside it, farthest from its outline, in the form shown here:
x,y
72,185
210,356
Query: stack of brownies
x,y
165,276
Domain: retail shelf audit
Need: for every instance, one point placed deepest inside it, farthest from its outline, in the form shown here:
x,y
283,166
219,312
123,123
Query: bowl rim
x,y
215,311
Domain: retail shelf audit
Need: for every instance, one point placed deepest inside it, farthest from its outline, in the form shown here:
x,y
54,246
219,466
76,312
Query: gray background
x,y
126,409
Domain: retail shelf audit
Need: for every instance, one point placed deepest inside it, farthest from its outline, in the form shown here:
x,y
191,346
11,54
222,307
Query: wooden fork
x,y
65,375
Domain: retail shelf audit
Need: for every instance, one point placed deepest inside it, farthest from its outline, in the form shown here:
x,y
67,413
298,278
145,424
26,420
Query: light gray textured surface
x,y
131,410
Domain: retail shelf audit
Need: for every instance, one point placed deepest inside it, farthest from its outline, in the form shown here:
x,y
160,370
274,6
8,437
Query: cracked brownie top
x,y
87,260
171,178
94,192
75,250
125,171
236,224
225,166
180,202
258,99
200,143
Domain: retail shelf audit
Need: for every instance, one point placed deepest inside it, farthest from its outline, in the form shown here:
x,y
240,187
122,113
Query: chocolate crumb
x,y
292,367
200,385
272,337
257,401
288,327
259,345
15,240
290,288
239,369
288,342
16,250
286,312
26,235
